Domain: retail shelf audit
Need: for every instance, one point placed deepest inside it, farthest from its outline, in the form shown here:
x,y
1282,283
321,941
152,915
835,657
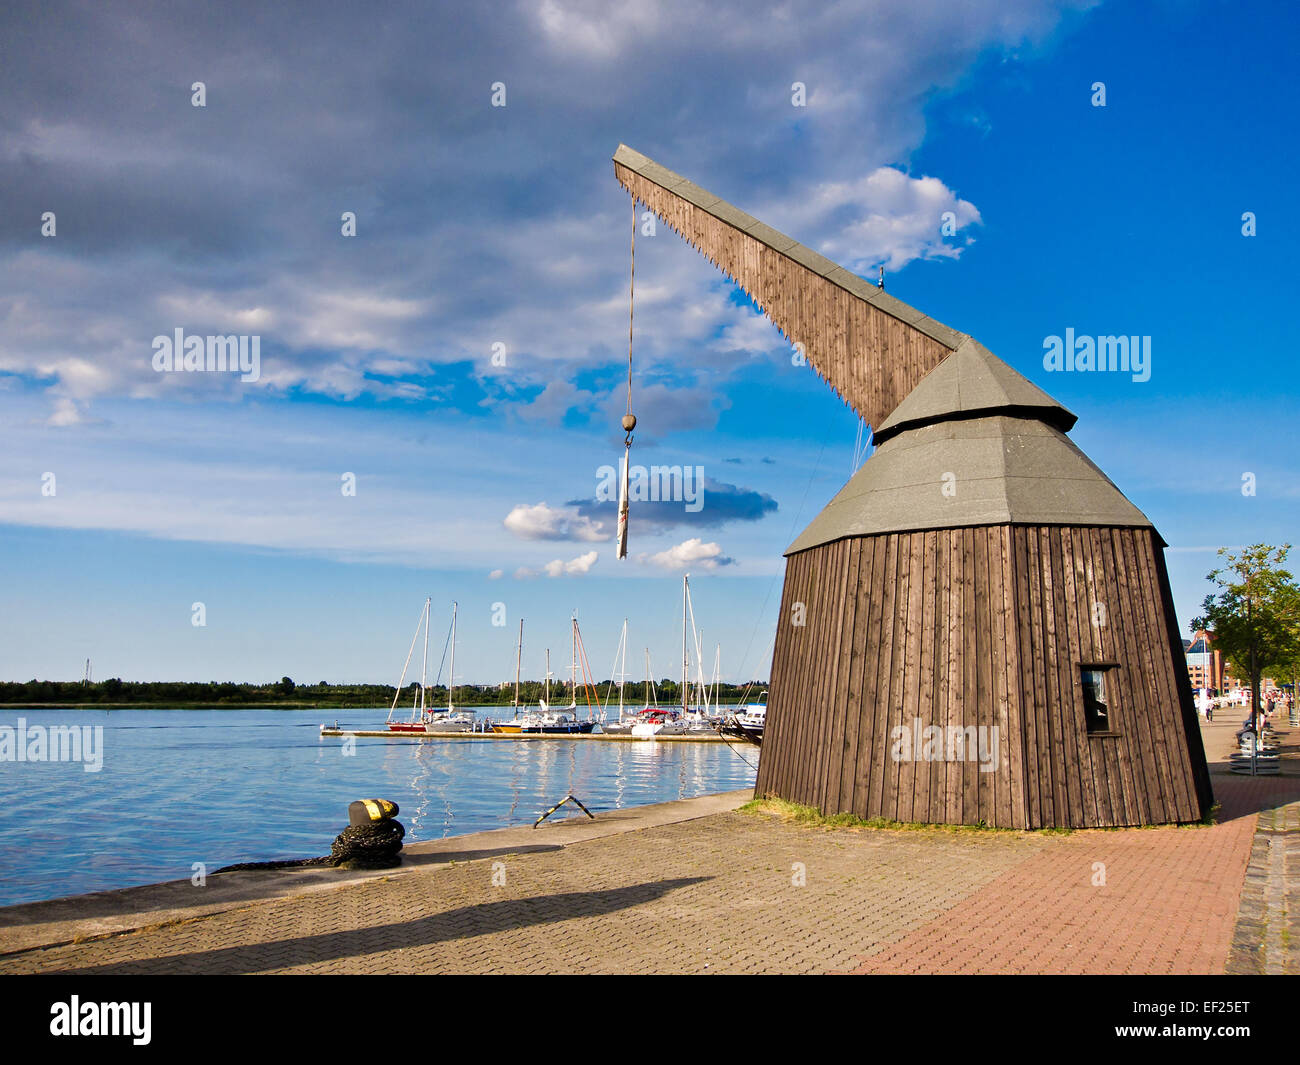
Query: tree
x,y
1290,669
286,686
1255,616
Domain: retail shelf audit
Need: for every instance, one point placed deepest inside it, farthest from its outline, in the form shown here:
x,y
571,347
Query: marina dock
x,y
586,736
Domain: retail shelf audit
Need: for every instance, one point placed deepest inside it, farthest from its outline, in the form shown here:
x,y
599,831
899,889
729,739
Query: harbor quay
x,y
717,884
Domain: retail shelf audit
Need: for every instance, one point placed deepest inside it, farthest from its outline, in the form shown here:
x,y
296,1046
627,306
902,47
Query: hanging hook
x,y
629,419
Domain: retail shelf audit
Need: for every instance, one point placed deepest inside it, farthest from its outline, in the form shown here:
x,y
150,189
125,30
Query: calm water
x,y
224,786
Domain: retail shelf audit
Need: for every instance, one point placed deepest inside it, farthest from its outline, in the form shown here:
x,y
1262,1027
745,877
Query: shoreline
x,y
246,706
205,706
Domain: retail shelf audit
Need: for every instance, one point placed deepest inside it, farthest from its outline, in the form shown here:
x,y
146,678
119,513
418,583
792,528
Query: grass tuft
x,y
794,813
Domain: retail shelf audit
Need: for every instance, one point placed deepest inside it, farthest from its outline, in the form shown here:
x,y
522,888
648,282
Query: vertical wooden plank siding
x,y
1025,654
836,736
955,680
880,767
1014,756
1136,684
857,661
869,743
976,628
1202,790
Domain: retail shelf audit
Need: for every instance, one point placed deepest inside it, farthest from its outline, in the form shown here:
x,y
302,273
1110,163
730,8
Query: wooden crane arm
x,y
870,348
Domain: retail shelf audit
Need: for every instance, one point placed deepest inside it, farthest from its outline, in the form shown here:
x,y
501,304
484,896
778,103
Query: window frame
x,y
1103,668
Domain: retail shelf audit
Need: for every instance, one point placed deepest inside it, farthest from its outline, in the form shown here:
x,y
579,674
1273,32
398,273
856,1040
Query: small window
x,y
1096,701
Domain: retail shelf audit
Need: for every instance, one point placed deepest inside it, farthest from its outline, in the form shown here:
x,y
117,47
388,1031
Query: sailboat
x,y
697,719
623,726
424,719
545,719
521,716
651,719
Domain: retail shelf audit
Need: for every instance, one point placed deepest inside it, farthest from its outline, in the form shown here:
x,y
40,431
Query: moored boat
x,y
697,719
424,719
746,722
546,719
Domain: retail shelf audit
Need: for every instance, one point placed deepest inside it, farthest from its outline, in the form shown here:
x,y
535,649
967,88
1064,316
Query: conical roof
x,y
969,382
974,443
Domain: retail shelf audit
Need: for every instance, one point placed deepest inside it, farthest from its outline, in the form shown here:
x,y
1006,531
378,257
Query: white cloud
x,y
595,31
496,574
554,402
559,568
65,413
219,247
574,567
693,552
542,522
885,217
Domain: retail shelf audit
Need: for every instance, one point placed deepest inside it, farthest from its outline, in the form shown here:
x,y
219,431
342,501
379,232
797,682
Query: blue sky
x,y
479,226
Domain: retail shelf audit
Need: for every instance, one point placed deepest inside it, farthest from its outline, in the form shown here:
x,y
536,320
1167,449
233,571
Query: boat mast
x,y
686,577
451,673
548,676
424,660
699,655
701,696
519,651
573,667
407,664
717,674
622,672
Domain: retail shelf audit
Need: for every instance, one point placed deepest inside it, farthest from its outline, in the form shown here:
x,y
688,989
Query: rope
x,y
736,752
631,289
861,447
629,419
373,846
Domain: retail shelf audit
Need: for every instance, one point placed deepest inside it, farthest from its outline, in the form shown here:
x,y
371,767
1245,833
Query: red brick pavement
x,y
1168,905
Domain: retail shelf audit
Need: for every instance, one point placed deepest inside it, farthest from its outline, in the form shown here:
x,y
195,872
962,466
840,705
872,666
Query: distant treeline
x,y
285,692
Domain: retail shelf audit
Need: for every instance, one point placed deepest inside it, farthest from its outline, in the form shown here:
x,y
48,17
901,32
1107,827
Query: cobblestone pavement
x,y
1268,923
1267,935
741,892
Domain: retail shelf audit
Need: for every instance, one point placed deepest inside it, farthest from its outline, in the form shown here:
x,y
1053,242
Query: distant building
x,y
1207,668
1205,665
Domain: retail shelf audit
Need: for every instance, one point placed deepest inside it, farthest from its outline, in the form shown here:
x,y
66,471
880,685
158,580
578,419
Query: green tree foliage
x,y
284,692
1254,617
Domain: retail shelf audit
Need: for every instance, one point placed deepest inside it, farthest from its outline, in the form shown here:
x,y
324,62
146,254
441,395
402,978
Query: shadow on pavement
x,y
245,885
461,923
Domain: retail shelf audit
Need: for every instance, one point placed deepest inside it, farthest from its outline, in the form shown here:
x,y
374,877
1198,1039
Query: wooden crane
x,y
978,629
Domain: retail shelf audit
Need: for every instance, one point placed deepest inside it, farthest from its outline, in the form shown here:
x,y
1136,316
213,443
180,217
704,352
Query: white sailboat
x,y
424,719
623,726
652,721
522,717
546,719
697,718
